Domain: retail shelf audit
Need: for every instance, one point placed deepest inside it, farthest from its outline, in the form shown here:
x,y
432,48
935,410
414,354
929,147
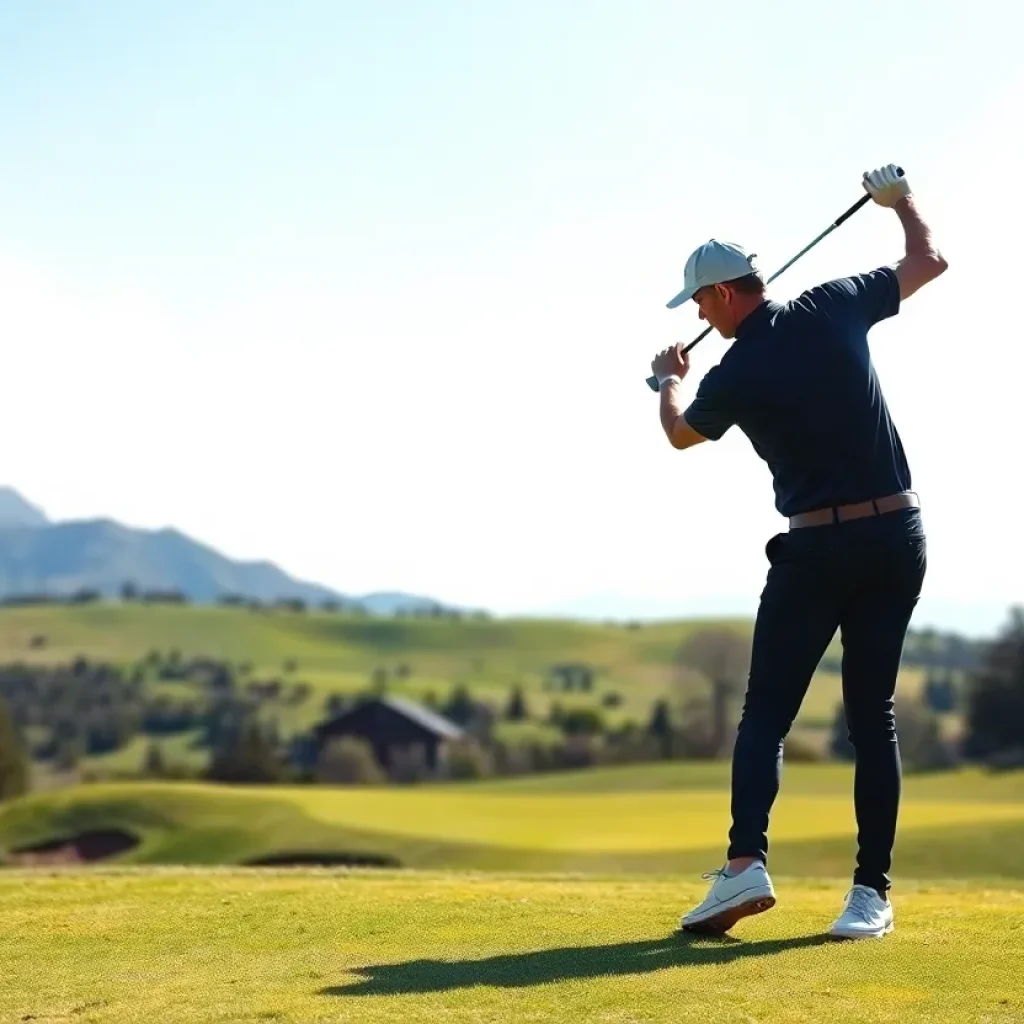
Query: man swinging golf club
x,y
799,382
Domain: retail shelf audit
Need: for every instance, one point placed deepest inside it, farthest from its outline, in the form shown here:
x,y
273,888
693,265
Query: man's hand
x,y
671,362
886,186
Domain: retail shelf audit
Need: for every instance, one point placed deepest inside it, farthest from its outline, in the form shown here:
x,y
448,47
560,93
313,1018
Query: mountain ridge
x,y
40,556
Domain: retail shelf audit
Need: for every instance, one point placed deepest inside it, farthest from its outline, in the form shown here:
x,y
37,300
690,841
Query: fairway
x,y
229,945
672,818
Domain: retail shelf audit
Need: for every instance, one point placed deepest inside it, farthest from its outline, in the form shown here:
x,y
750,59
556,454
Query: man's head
x,y
724,282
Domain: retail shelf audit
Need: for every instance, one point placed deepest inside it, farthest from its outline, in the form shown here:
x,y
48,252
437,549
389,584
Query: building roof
x,y
424,716
418,713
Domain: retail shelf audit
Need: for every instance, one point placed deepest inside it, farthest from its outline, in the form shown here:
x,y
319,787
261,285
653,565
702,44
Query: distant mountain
x,y
387,603
38,556
16,511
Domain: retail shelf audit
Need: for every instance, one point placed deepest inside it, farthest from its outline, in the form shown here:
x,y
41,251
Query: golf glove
x,y
886,186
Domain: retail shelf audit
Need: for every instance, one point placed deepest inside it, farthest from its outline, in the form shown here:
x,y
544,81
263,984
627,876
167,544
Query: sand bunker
x,y
81,849
324,859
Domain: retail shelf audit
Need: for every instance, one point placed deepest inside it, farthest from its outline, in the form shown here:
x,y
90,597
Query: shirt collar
x,y
757,318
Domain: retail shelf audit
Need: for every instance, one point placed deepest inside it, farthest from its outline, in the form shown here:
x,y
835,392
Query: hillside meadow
x,y
335,653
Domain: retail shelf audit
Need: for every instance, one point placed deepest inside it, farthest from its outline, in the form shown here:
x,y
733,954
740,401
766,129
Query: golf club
x,y
652,382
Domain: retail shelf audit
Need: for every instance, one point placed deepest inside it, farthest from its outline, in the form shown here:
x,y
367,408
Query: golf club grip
x,y
866,198
852,210
652,382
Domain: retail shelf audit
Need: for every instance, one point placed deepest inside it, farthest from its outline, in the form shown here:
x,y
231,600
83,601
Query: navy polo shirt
x,y
799,382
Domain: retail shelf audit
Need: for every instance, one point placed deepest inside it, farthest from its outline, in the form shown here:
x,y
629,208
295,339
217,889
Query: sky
x,y
371,290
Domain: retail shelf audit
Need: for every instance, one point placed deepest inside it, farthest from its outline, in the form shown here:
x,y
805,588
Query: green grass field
x,y
337,654
547,898
661,818
230,945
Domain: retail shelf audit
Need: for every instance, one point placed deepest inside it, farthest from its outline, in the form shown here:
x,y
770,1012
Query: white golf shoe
x,y
732,897
865,915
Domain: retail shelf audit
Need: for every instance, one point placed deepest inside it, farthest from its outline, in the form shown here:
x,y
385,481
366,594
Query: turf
x,y
672,819
229,945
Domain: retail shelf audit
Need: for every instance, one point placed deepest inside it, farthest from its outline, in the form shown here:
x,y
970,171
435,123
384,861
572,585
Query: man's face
x,y
714,304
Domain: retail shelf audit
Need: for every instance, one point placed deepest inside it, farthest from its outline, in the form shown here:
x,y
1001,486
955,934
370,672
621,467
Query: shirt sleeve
x,y
869,298
709,413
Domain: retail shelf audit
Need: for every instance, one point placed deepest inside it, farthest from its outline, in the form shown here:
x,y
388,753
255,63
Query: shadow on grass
x,y
515,970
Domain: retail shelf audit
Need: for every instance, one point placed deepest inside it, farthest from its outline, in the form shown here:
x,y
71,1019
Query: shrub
x,y
349,760
467,760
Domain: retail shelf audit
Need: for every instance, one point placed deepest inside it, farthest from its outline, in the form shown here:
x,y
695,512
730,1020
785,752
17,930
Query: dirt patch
x,y
324,859
81,849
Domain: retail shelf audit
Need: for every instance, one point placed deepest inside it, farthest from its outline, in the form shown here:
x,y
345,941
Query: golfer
x,y
799,382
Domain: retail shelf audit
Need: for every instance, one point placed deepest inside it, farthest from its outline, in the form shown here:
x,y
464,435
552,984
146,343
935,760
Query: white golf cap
x,y
713,263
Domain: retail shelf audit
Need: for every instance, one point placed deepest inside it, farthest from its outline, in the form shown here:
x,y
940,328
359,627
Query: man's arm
x,y
673,421
923,262
707,410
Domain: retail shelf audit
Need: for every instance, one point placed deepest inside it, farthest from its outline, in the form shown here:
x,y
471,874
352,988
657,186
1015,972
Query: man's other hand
x,y
671,362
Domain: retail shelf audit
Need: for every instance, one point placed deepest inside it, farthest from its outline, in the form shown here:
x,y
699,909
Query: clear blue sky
x,y
371,290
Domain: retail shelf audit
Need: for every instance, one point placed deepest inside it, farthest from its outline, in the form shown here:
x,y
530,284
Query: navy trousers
x,y
864,578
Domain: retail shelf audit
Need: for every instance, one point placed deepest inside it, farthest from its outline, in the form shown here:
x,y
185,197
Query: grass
x,y
229,945
541,899
642,819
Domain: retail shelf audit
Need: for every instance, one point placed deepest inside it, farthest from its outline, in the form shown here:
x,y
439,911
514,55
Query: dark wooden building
x,y
390,723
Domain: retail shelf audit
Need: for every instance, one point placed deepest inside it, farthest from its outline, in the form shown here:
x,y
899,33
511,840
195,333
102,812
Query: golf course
x,y
538,895
503,900
483,536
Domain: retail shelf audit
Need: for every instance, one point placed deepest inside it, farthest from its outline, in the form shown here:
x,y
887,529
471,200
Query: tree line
x,y
132,593
59,714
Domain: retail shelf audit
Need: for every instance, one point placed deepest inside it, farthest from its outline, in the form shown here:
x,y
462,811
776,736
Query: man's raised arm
x,y
922,261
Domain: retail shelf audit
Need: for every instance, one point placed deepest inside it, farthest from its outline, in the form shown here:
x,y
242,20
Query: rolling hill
x,y
339,653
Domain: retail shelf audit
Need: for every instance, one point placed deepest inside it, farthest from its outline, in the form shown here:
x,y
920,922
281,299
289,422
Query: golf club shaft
x,y
652,382
807,248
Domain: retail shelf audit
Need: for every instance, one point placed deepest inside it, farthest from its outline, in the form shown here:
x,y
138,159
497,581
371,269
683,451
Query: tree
x,y
660,726
722,657
335,705
582,722
245,755
14,766
994,696
918,731
516,709
940,693
460,706
154,766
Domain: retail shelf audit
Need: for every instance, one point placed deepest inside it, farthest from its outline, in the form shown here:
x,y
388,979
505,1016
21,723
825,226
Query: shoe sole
x,y
854,936
720,923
